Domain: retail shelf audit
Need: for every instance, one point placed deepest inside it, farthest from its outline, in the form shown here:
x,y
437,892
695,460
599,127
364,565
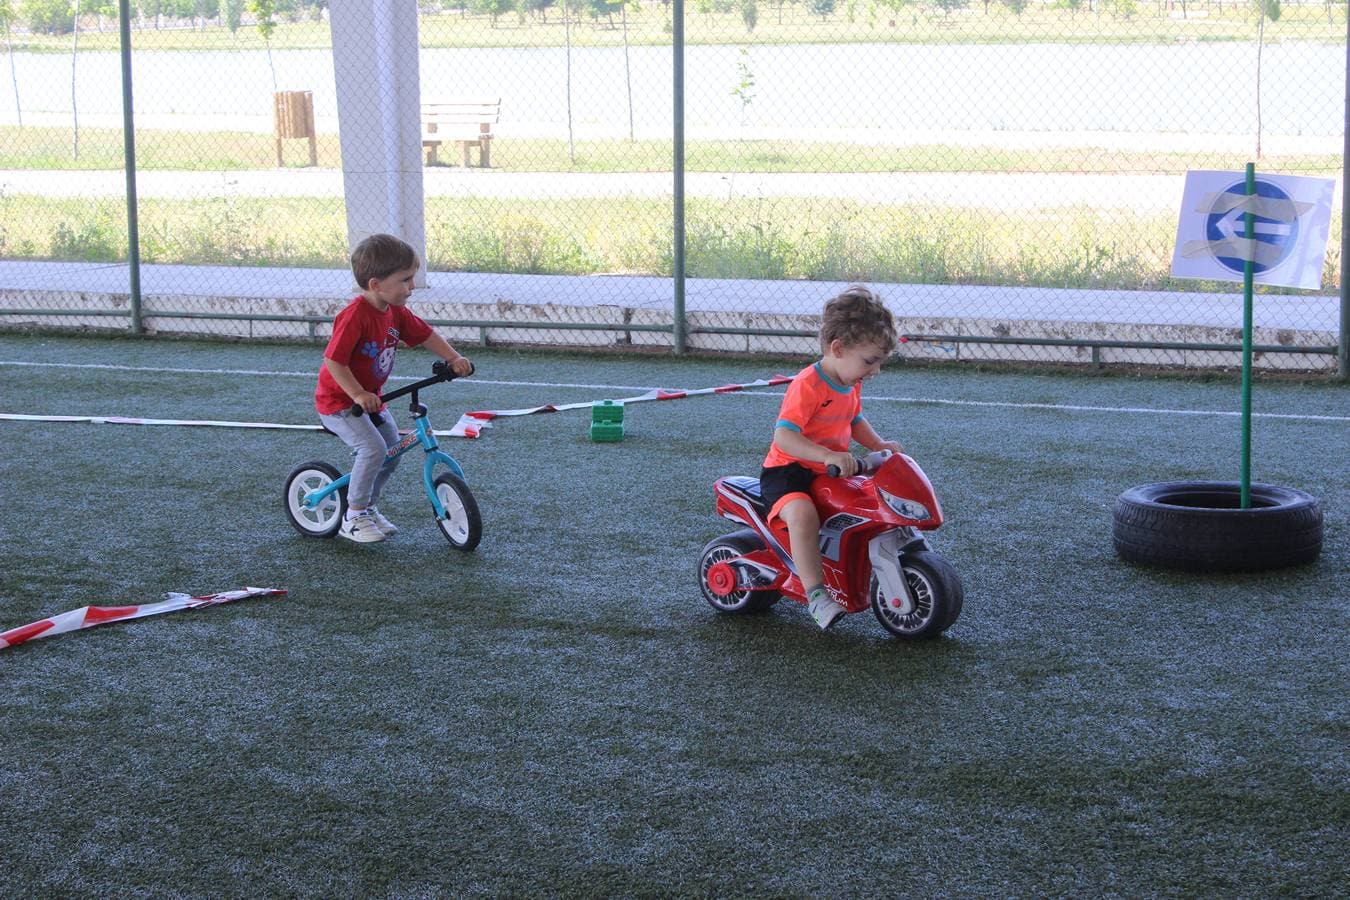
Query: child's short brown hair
x,y
857,316
380,256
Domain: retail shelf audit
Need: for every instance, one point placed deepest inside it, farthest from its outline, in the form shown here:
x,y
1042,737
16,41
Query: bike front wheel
x,y
323,519
462,525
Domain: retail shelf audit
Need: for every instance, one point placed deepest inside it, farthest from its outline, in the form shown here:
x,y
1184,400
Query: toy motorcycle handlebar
x,y
440,371
867,465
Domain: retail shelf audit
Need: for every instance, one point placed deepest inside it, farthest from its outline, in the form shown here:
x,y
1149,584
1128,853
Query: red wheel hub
x,y
721,579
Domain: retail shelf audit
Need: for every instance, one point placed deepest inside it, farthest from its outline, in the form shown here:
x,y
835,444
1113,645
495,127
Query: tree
x,y
202,10
7,16
822,8
749,14
537,8
494,8
234,15
603,8
49,16
263,13
74,103
744,90
107,9
152,9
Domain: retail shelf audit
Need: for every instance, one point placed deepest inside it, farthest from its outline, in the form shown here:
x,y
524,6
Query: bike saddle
x,y
748,487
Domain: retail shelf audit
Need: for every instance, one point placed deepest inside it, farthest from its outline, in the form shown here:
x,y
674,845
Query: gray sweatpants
x,y
370,467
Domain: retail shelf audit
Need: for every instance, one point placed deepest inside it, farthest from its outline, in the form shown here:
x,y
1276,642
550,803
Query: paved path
x,y
732,296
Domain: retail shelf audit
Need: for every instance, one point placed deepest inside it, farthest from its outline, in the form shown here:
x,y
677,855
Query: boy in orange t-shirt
x,y
821,414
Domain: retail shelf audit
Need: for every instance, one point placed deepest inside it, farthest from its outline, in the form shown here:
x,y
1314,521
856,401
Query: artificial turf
x,y
560,713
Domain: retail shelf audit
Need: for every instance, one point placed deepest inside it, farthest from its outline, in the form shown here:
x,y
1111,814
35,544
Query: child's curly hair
x,y
380,256
857,316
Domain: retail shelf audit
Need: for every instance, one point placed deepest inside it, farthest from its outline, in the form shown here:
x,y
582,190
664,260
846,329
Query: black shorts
x,y
776,482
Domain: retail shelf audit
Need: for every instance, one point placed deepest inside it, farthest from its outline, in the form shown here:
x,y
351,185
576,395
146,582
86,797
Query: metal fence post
x,y
1344,348
677,53
129,163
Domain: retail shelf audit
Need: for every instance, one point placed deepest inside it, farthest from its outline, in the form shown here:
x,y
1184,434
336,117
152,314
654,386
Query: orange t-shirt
x,y
822,411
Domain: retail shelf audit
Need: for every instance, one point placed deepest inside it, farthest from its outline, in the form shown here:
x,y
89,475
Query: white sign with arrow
x,y
1291,221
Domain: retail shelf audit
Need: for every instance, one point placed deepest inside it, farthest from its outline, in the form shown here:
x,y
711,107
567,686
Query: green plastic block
x,y
606,431
607,411
607,420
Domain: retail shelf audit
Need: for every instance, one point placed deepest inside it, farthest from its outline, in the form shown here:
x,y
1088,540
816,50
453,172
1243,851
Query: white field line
x,y
935,401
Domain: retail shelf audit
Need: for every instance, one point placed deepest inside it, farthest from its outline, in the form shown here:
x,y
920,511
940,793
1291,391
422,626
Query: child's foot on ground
x,y
824,610
361,528
388,528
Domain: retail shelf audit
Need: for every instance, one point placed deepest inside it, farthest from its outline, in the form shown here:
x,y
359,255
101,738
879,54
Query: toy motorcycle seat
x,y
748,487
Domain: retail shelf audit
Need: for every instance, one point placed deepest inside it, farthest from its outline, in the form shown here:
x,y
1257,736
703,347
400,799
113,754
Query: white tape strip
x,y
1278,208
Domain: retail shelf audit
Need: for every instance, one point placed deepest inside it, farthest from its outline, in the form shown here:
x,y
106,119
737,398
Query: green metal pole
x,y
677,51
1249,230
1344,354
129,163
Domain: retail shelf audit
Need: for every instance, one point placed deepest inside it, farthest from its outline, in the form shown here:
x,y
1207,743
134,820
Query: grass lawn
x,y
47,147
560,712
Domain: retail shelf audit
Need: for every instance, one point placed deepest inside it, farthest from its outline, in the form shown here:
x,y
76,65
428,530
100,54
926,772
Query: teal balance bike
x,y
316,492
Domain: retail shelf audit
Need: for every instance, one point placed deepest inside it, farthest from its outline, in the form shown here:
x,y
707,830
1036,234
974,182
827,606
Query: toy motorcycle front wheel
x,y
718,583
937,593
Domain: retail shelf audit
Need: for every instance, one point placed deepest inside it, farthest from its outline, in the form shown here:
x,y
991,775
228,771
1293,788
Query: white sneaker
x,y
388,528
825,611
361,528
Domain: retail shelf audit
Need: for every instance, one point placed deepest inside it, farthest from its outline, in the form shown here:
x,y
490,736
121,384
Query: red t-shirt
x,y
365,340
824,413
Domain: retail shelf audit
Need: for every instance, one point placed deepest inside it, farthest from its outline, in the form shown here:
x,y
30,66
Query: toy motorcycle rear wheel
x,y
720,550
937,592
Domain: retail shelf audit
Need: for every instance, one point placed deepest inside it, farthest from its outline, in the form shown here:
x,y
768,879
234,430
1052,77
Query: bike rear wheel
x,y
462,525
323,520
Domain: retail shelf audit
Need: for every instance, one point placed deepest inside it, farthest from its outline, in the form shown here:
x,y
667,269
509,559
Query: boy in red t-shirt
x,y
821,413
356,364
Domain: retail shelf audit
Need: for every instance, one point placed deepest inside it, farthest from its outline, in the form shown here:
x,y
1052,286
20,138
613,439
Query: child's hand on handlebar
x,y
844,462
368,401
462,367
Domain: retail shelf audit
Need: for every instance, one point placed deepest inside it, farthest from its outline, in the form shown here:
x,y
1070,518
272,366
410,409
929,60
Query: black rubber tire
x,y
325,521
938,593
464,528
1199,526
730,546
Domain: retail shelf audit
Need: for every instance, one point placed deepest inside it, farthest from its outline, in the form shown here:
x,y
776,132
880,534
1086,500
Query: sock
x,y
817,592
353,513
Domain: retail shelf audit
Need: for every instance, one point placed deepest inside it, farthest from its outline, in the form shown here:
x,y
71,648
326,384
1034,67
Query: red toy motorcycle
x,y
871,548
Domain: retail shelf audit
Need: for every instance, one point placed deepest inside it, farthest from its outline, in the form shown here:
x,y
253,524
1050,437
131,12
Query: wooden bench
x,y
467,122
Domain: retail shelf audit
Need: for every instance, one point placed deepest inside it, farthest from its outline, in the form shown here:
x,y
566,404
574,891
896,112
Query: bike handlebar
x,y
867,465
440,370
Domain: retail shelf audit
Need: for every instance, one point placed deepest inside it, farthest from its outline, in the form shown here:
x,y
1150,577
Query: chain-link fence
x,y
1008,174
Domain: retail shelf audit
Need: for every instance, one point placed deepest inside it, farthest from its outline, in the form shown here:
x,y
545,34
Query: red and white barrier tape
x,y
89,616
469,425
470,422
